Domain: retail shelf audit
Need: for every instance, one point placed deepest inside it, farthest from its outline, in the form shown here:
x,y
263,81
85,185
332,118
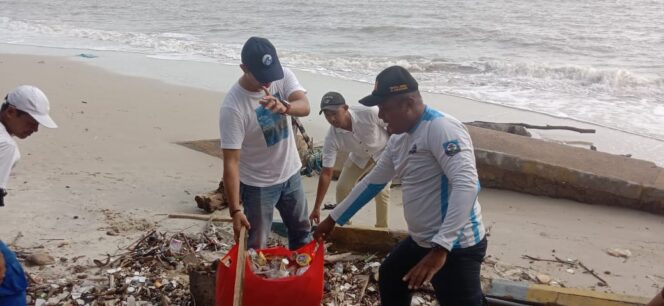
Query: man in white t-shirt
x,y
261,162
358,131
24,109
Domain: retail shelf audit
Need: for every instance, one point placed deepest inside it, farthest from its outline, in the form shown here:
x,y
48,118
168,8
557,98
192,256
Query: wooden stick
x,y
239,268
200,217
557,260
135,244
18,236
364,281
592,272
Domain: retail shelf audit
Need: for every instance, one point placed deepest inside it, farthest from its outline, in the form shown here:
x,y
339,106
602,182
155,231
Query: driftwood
x,y
520,128
501,127
334,258
213,200
556,127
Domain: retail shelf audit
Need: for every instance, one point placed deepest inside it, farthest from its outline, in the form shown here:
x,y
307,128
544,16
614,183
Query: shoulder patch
x,y
452,147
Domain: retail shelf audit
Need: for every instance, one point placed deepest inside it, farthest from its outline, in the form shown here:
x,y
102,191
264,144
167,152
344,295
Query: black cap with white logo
x,y
260,57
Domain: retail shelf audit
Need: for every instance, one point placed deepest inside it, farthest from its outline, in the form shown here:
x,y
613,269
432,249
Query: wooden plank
x,y
549,295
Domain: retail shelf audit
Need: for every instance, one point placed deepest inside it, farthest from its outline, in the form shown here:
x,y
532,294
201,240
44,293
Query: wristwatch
x,y
287,105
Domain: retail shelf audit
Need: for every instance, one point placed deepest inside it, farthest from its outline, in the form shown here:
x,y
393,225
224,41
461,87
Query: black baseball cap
x,y
260,57
331,101
390,82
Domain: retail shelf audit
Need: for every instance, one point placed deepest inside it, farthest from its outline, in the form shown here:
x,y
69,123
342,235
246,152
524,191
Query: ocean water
x,y
596,61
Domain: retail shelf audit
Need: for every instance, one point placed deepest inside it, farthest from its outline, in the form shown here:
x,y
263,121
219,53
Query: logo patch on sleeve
x,y
452,147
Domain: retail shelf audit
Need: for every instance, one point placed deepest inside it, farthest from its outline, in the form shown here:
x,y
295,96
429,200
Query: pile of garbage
x,y
275,266
151,271
154,270
353,280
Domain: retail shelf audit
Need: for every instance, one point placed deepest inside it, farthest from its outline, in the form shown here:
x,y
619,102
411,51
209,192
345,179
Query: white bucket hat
x,y
33,101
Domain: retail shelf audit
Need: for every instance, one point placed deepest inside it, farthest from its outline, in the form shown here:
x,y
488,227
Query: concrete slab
x,y
534,166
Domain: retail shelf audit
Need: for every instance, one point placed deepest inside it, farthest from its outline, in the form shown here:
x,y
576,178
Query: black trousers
x,y
457,283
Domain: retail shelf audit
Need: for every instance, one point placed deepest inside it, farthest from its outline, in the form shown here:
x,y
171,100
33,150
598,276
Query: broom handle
x,y
239,268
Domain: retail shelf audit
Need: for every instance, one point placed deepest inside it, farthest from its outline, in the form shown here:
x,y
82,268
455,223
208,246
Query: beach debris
x,y
87,55
40,259
152,270
312,161
572,264
352,282
543,279
520,128
617,252
329,206
15,240
213,200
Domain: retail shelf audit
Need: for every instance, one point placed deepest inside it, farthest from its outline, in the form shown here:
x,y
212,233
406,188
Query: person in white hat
x,y
24,109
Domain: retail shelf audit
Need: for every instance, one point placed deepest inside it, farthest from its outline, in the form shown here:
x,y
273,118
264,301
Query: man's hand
x,y
272,103
2,268
324,229
424,270
314,217
239,220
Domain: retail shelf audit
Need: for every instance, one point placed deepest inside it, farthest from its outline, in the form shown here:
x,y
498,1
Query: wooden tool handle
x,y
239,268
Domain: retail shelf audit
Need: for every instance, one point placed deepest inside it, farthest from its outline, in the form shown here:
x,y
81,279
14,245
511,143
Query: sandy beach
x,y
114,162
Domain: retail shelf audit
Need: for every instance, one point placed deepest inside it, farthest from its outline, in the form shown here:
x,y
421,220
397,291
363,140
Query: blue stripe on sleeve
x,y
444,197
367,194
473,217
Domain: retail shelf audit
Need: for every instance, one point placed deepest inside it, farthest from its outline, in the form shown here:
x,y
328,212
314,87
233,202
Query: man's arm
x,y
323,184
361,194
7,152
231,129
453,149
296,95
299,104
232,189
330,148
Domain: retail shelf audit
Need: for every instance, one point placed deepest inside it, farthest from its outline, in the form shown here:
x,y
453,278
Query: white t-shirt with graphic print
x,y
268,153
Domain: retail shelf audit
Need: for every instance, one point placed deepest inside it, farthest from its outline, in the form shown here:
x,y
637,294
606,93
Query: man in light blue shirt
x,y
432,154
